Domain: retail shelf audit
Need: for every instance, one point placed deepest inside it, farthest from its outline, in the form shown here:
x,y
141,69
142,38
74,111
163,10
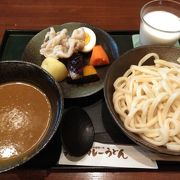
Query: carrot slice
x,y
98,56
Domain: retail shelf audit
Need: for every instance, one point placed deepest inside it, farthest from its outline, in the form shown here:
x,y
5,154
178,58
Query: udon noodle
x,y
147,99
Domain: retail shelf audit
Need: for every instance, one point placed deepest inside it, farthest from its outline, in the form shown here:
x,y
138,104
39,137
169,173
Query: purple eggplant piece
x,y
75,66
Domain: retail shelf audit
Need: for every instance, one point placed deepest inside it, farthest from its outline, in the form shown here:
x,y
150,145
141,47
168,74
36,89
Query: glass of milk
x,y
160,22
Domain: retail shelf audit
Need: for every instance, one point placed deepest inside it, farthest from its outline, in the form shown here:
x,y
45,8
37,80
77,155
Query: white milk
x,y
161,20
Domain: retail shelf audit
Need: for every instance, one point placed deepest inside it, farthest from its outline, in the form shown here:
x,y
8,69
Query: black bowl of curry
x,y
31,105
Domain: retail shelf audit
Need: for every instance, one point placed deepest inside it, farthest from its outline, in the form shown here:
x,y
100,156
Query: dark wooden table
x,y
39,14
105,14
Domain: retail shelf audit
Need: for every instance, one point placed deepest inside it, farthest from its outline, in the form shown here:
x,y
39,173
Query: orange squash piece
x,y
98,56
89,70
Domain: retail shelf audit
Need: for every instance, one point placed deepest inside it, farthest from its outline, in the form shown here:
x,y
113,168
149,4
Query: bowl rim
x,y
135,138
58,118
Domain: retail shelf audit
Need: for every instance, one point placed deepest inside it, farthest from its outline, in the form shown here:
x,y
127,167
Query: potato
x,y
56,68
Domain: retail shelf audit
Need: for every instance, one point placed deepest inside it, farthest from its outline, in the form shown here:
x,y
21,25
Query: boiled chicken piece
x,y
61,45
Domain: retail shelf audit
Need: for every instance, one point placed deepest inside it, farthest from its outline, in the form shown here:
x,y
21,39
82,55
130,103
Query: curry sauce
x,y
25,114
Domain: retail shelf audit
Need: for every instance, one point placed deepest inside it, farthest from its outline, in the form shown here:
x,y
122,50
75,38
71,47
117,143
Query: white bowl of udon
x,y
142,93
